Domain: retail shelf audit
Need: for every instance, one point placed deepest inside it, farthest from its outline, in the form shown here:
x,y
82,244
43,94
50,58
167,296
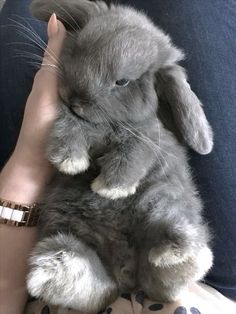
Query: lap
x,y
200,300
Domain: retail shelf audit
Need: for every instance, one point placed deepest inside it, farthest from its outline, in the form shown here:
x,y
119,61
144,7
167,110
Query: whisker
x,y
36,38
29,30
22,43
69,15
34,63
105,115
154,147
25,20
29,55
101,117
61,18
28,37
157,146
38,44
153,143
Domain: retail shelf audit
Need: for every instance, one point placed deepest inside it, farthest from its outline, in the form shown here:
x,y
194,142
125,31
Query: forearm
x,y
20,182
23,178
15,246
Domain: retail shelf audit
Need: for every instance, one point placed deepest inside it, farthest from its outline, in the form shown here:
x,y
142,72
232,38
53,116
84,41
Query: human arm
x,y
25,175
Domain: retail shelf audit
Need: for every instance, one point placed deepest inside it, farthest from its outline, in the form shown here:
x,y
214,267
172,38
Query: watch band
x,y
19,215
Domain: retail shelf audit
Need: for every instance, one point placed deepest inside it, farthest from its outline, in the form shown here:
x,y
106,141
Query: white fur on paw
x,y
57,277
99,187
204,261
169,257
47,271
74,166
69,278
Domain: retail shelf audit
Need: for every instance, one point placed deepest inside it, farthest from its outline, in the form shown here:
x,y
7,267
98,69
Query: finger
x,y
51,60
56,35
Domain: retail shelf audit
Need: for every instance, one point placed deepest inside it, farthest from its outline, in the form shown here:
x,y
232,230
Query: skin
x,y
26,173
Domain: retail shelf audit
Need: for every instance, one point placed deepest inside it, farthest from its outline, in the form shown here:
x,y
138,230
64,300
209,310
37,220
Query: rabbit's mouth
x,y
86,114
78,112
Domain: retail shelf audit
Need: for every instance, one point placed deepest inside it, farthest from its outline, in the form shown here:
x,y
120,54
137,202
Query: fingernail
x,y
52,26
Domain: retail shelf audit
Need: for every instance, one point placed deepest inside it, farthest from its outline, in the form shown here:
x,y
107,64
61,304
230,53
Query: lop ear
x,y
74,14
190,120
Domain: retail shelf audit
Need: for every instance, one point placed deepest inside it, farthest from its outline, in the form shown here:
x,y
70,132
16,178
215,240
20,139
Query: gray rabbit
x,y
130,216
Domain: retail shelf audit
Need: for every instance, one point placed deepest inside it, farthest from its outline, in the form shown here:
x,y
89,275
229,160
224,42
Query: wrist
x,y
23,180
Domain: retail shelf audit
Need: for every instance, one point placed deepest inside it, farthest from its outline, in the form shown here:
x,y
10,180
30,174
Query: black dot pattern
x,y
156,307
45,310
194,310
180,310
126,296
139,297
109,310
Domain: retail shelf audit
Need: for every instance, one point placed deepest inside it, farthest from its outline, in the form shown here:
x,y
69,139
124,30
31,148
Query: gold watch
x,y
19,215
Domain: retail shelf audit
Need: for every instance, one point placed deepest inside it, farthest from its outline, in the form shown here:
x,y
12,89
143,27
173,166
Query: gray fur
x,y
134,217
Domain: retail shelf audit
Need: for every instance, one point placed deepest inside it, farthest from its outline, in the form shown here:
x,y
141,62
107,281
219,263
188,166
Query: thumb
x,y
46,78
56,36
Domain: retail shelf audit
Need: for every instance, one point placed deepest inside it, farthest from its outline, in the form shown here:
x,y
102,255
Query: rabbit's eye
x,y
122,82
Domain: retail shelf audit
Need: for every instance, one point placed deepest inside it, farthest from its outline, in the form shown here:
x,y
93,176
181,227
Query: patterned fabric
x,y
200,300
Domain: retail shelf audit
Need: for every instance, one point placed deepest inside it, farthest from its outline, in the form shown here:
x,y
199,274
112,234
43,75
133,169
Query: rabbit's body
x,y
133,219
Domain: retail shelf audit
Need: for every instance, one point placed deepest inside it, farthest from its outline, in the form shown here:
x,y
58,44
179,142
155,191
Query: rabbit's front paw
x,y
68,158
74,165
67,162
99,186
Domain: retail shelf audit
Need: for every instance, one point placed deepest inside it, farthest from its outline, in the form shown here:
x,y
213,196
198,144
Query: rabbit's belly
x,y
123,264
111,238
105,228
105,225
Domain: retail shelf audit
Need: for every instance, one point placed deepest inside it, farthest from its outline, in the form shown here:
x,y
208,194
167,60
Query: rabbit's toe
x,y
99,187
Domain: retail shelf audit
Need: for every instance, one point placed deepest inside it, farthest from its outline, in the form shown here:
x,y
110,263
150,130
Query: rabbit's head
x,y
108,68
109,65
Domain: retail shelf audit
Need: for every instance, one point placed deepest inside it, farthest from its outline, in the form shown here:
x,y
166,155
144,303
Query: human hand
x,y
24,176
28,162
40,110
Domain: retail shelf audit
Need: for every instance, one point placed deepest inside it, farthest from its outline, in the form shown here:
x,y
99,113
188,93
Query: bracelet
x,y
19,215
